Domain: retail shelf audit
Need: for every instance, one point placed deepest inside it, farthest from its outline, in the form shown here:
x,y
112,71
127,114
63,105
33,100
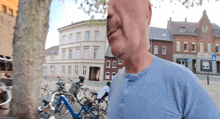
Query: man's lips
x,y
111,32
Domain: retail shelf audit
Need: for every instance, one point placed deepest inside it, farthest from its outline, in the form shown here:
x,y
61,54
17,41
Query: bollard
x,y
207,79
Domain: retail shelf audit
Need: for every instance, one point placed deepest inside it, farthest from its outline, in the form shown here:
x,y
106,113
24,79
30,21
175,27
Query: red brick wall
x,y
160,44
110,70
188,39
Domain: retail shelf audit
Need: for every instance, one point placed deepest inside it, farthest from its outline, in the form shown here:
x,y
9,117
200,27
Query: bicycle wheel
x,y
94,114
62,110
80,96
44,93
102,105
43,115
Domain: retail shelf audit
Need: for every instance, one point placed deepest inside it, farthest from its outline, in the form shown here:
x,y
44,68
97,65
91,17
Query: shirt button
x,y
122,100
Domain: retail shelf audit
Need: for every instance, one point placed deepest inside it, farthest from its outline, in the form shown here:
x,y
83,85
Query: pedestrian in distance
x,y
149,87
103,93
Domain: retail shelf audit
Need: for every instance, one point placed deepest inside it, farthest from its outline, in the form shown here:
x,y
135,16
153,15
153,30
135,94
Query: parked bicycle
x,y
62,110
87,110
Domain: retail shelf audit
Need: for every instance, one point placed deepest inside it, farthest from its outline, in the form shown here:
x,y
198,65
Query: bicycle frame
x,y
66,103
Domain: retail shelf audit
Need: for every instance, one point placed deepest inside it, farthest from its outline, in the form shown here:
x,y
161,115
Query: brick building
x,y
8,13
161,43
195,43
7,22
112,65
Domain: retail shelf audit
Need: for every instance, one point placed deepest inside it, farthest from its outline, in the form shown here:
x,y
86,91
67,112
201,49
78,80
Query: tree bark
x,y
28,56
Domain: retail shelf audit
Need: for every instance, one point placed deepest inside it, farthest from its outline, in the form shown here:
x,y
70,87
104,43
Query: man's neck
x,y
138,63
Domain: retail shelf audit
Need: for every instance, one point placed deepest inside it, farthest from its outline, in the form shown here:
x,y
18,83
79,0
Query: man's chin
x,y
117,54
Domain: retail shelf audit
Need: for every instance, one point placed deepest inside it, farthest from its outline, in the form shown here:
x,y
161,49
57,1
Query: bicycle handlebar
x,y
53,96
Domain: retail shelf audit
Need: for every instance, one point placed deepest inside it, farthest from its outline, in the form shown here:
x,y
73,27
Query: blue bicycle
x,y
88,110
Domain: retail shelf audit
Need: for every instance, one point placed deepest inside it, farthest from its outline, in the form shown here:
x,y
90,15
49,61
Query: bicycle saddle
x,y
94,93
46,102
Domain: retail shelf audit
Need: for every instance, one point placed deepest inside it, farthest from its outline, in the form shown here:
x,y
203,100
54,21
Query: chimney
x,y
186,19
170,19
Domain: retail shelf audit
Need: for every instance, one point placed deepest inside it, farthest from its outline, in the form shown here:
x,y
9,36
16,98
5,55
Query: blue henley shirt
x,y
164,90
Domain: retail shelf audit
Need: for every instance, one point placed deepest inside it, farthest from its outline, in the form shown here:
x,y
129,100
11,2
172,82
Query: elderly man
x,y
149,87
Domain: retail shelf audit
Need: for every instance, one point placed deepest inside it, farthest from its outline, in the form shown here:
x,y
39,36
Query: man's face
x,y
126,25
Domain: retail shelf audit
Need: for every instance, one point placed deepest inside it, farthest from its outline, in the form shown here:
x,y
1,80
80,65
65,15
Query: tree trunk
x,y
28,57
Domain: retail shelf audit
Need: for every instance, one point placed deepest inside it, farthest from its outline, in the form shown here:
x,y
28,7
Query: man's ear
x,y
149,13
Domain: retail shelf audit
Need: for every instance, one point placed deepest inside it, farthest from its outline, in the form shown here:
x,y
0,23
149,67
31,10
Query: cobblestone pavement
x,y
213,88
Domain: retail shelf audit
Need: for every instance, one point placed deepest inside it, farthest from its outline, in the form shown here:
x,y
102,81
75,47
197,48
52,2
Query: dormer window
x,y
164,35
194,31
182,29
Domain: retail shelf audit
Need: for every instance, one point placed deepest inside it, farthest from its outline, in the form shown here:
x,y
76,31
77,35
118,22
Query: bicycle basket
x,y
73,88
5,98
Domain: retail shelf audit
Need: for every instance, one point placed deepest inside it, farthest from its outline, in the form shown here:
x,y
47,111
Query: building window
x,y
77,53
164,50
205,65
155,49
63,54
119,62
217,48
209,48
63,69
69,69
84,70
201,48
113,74
207,28
76,69
70,54
64,39
4,9
2,66
203,29
71,38
95,53
96,35
78,36
114,64
193,47
52,58
185,47
10,12
9,66
87,35
177,45
52,69
182,29
108,64
86,53
107,75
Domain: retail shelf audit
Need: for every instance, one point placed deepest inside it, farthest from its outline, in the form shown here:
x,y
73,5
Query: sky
x,y
62,14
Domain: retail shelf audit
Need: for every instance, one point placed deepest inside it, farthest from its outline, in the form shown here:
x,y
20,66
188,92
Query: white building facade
x,y
81,52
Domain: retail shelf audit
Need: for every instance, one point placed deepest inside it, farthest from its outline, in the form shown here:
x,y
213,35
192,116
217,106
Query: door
x,y
194,66
218,66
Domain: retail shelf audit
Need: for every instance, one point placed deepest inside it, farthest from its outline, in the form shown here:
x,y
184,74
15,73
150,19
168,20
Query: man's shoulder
x,y
171,66
171,69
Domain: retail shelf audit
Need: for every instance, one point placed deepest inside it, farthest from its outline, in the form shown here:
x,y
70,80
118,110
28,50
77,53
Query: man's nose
x,y
110,9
